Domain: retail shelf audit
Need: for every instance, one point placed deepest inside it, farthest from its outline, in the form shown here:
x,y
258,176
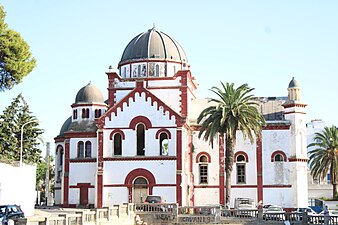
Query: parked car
x,y
274,212
265,207
245,203
153,199
245,207
308,210
10,212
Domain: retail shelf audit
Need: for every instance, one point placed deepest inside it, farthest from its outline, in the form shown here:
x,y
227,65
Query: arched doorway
x,y
140,189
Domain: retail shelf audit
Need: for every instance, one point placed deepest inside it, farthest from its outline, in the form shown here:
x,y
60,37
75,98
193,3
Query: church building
x,y
140,138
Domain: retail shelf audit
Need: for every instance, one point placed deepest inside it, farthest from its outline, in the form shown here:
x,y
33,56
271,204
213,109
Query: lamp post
x,y
21,141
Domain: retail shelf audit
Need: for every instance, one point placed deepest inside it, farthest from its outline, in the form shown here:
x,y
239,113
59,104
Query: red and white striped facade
x,y
123,159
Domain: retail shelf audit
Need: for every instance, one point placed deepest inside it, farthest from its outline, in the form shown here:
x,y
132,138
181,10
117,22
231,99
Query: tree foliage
x,y
234,109
324,156
16,60
12,120
41,171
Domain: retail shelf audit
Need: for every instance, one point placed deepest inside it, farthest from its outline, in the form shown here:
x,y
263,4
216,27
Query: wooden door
x,y
140,190
83,195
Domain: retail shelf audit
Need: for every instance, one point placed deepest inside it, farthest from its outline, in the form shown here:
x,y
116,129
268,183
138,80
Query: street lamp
x,y
21,147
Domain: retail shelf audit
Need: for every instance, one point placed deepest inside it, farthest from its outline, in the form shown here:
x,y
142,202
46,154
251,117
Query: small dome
x,y
89,94
65,126
153,44
83,126
293,83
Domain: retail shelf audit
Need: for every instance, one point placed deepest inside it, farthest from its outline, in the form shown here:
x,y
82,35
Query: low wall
x,y
117,215
17,186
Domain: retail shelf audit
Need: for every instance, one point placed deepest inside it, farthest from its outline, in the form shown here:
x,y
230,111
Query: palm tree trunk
x,y
333,182
229,161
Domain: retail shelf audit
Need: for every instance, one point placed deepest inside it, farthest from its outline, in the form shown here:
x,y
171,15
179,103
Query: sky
x,y
261,43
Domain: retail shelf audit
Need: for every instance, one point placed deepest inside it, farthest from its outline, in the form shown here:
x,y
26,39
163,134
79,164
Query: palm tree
x,y
236,109
324,157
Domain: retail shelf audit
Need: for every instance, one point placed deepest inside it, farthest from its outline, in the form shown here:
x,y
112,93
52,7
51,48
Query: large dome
x,y
89,94
153,44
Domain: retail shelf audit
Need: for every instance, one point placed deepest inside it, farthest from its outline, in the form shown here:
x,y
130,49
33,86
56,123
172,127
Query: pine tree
x,y
11,122
16,60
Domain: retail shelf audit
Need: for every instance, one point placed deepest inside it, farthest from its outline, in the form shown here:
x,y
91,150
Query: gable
x,y
140,103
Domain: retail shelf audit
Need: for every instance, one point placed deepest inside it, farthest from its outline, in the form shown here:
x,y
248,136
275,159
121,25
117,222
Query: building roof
x,y
89,94
153,44
294,84
82,126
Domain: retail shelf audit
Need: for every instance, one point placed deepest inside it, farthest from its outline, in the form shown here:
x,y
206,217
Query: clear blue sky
x,y
262,43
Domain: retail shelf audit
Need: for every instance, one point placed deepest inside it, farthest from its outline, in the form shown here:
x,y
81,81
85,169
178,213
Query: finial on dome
x,y
154,27
110,68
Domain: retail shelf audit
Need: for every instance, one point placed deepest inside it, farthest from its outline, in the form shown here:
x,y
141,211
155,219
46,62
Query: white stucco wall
x,y
275,172
213,166
168,193
17,186
169,98
82,173
115,172
278,196
114,195
206,196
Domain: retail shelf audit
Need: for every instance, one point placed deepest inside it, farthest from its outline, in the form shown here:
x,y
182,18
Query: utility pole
x,y
47,172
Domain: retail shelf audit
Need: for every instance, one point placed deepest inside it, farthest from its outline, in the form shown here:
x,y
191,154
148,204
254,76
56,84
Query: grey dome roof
x,y
153,44
89,94
83,126
66,126
293,83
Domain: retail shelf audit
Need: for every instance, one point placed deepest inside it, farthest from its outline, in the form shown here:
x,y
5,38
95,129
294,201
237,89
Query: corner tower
x,y
294,111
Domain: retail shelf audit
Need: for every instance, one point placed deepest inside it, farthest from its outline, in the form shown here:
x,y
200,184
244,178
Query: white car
x,y
274,212
308,210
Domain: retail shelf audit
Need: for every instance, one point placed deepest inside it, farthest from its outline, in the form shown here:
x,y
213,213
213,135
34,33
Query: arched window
x,y
60,156
75,114
164,144
139,70
97,113
203,169
140,139
83,113
278,158
117,144
157,70
80,149
124,74
240,158
88,153
240,169
141,181
87,113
